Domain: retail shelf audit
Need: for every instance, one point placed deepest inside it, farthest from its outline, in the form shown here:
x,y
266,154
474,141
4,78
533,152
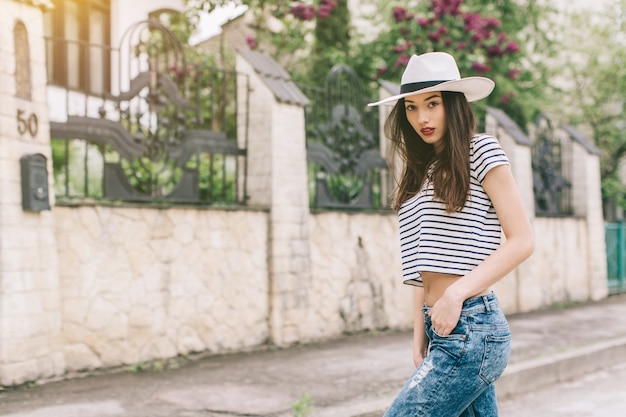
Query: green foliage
x,y
614,189
312,37
77,168
331,45
209,94
593,89
303,406
216,177
487,38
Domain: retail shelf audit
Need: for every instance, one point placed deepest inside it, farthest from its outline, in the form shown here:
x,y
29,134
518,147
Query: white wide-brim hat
x,y
437,71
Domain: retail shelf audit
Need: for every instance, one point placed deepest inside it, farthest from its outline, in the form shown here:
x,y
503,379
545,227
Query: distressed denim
x,y
456,377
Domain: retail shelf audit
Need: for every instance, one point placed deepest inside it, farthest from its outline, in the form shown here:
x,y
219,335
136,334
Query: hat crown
x,y
437,71
432,66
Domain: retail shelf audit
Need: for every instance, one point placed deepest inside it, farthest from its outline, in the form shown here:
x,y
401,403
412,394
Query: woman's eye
x,y
433,104
410,107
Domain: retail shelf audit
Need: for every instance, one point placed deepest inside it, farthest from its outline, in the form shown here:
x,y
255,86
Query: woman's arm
x,y
500,185
420,341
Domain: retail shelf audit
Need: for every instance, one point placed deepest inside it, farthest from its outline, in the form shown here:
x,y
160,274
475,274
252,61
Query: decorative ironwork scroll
x,y
172,125
342,144
551,183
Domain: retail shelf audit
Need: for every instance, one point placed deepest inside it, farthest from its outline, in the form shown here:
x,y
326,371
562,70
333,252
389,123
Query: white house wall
x,y
125,13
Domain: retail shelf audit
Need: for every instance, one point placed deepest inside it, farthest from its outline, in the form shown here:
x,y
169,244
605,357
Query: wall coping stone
x,y
575,135
510,126
274,77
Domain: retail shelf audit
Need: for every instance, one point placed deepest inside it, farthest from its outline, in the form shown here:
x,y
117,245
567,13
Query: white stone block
x,y
187,341
18,372
79,357
99,315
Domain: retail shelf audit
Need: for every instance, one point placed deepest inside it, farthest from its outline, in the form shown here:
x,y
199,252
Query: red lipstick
x,y
427,131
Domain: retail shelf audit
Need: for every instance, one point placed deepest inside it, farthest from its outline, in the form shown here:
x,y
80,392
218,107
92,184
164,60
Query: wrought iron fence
x,y
551,172
346,169
161,128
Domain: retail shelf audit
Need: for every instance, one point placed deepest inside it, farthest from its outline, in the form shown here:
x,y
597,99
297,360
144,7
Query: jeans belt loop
x,y
486,302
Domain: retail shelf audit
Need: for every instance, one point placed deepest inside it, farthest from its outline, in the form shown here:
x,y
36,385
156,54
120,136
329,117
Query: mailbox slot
x,y
34,182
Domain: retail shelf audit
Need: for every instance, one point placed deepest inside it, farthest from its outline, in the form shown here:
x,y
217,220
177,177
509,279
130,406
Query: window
x,y
78,45
22,61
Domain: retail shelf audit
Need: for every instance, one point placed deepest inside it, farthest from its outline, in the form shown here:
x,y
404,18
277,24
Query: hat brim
x,y
474,88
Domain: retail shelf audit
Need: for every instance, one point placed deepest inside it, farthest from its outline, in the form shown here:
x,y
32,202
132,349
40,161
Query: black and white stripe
x,y
434,240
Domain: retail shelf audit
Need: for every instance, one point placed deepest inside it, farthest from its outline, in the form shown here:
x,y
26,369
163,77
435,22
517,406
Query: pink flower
x,y
471,21
423,22
402,61
460,46
514,74
512,47
324,11
326,7
381,71
477,37
481,68
494,51
448,42
303,12
434,36
399,14
492,23
251,41
444,7
506,98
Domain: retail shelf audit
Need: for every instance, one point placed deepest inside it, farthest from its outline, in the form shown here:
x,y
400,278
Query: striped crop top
x,y
434,240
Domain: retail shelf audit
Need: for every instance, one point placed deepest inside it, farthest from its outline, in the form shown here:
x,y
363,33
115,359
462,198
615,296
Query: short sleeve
x,y
486,153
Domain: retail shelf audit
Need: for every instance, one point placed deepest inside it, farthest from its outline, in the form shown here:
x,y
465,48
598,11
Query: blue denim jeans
x,y
456,377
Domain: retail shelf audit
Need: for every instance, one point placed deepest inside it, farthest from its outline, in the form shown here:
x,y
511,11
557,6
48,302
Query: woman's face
x,y
426,114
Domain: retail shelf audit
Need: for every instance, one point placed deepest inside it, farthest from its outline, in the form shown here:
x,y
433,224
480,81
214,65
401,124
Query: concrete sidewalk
x,y
354,376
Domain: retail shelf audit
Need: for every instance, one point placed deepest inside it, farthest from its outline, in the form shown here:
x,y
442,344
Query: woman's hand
x,y
446,312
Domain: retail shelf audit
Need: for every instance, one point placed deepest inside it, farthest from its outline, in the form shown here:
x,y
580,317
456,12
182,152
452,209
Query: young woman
x,y
455,195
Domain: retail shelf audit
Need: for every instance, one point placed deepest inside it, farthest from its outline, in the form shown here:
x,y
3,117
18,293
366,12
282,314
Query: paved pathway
x,y
354,376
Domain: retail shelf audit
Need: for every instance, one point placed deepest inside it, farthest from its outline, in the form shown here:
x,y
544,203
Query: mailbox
x,y
34,182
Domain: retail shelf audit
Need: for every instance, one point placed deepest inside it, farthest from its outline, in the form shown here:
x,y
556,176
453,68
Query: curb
x,y
529,375
518,378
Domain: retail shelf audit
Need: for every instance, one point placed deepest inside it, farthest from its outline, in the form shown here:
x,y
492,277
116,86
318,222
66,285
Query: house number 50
x,y
28,124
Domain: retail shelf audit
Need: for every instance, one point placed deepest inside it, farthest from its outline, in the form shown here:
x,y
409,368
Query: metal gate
x,y
615,236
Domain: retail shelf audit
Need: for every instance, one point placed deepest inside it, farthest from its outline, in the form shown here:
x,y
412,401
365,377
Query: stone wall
x,y
356,275
141,284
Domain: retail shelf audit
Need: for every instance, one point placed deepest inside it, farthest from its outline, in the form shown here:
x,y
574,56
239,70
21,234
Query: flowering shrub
x,y
301,12
306,12
479,44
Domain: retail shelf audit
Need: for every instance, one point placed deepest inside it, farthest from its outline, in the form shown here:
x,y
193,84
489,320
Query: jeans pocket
x,y
454,344
495,357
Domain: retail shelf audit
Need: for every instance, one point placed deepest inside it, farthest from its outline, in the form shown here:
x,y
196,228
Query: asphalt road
x,y
600,394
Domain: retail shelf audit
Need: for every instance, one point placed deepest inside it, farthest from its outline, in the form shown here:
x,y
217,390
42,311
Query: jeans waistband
x,y
479,304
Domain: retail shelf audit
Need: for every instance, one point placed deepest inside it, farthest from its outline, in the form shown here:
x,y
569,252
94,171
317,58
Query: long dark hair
x,y
451,173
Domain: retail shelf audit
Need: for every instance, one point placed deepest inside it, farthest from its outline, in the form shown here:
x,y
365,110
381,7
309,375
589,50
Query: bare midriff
x,y
435,284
